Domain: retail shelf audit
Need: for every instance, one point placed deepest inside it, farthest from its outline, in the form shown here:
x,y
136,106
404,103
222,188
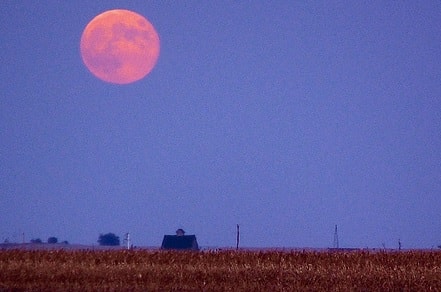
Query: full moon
x,y
119,46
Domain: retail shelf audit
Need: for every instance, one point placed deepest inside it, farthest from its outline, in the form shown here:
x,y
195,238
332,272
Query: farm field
x,y
141,270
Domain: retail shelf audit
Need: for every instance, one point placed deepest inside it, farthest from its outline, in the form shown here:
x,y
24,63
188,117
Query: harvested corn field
x,y
220,271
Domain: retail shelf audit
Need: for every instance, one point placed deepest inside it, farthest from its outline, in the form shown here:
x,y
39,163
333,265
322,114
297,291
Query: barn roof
x,y
188,242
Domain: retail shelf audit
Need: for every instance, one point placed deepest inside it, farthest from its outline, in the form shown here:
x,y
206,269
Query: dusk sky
x,y
285,117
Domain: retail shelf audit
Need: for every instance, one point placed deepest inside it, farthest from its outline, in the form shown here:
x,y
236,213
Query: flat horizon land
x,y
243,270
96,247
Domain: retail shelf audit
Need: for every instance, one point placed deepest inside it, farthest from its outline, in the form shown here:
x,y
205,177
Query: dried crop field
x,y
138,270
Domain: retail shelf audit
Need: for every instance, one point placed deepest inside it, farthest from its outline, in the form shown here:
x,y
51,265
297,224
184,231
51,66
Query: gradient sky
x,y
286,117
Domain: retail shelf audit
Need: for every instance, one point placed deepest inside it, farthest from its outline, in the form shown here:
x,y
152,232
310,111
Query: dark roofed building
x,y
180,241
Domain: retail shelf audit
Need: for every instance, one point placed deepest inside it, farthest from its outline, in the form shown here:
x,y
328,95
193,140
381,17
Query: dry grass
x,y
220,271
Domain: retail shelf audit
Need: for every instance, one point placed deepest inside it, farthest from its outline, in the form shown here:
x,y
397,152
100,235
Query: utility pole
x,y
335,237
127,240
237,237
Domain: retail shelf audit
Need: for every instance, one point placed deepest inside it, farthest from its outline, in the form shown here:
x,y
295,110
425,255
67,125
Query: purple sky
x,y
286,117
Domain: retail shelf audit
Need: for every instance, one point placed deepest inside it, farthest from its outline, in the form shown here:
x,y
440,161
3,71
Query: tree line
x,y
108,239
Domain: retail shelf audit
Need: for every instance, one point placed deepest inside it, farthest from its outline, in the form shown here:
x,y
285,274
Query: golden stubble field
x,y
141,270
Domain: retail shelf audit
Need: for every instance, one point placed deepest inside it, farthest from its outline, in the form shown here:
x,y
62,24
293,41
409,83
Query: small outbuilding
x,y
180,241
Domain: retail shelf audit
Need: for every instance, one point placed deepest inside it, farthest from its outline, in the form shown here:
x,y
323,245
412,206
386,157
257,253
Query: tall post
x,y
237,237
127,240
335,237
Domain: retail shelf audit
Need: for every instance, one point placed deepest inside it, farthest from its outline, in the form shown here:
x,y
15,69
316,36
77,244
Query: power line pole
x,y
237,236
127,240
335,237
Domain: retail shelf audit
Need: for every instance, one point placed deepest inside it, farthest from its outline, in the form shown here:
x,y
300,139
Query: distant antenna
x,y
335,237
237,237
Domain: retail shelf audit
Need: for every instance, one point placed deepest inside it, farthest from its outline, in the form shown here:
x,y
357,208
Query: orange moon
x,y
120,46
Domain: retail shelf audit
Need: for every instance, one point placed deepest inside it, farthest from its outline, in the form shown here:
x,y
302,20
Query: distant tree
x,y
65,242
52,240
108,239
36,240
439,246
